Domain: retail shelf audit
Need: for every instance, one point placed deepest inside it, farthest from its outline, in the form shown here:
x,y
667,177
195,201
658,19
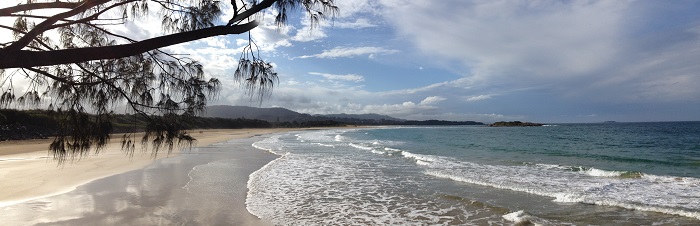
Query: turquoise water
x,y
612,173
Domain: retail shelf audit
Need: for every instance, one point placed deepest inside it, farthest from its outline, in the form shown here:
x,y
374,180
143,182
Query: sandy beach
x,y
30,177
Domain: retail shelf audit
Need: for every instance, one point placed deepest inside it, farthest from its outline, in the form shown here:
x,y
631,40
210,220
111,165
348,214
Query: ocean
x,y
563,174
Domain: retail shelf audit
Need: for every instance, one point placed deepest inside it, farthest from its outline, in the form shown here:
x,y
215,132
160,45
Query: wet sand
x,y
113,189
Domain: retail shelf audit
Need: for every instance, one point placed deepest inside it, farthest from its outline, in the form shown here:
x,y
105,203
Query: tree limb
x,y
92,17
63,80
44,5
25,58
43,26
253,10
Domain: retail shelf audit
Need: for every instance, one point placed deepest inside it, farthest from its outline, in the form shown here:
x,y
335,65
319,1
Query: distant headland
x,y
514,124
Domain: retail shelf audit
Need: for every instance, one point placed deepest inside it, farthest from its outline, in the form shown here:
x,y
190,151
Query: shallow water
x,y
622,173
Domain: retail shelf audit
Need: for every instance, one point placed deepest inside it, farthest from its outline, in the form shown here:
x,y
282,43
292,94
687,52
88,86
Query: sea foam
x,y
342,182
309,186
664,194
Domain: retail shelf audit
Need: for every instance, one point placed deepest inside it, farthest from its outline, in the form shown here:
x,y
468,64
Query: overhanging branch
x,y
253,10
42,5
25,58
41,27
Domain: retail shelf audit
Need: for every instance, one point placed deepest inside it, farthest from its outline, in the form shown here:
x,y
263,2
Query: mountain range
x,y
278,114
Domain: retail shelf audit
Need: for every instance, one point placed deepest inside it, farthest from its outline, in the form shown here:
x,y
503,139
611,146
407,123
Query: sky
x,y
540,61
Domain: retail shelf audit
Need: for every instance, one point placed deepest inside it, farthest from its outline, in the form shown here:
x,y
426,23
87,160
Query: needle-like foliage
x,y
74,63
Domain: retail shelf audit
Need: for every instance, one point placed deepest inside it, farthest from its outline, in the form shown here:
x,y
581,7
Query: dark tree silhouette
x,y
73,59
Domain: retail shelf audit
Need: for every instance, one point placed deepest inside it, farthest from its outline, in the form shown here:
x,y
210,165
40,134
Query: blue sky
x,y
491,60
549,61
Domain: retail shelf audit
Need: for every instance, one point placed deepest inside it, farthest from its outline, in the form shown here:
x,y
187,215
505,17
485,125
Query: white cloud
x,y
464,83
348,77
218,42
269,36
542,39
309,33
477,98
219,57
578,49
351,8
357,24
432,100
348,10
318,98
479,117
406,110
340,52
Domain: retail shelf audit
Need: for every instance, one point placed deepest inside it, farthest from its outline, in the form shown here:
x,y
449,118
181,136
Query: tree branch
x,y
253,10
44,5
43,26
63,80
92,17
25,58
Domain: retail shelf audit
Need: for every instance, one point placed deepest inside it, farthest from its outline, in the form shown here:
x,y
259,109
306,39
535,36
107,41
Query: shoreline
x,y
30,173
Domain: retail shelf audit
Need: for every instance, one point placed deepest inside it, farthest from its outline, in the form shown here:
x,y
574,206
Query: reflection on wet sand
x,y
167,192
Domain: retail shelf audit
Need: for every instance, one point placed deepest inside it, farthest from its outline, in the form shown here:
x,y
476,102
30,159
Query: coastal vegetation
x,y
41,124
67,56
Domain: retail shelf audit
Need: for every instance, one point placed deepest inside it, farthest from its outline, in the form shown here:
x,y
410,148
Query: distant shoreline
x,y
515,124
43,124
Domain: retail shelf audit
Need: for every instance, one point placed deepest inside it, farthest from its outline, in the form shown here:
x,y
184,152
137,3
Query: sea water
x,y
567,174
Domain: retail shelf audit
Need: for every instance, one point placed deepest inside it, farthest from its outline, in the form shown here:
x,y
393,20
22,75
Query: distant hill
x,y
267,114
377,117
286,115
282,115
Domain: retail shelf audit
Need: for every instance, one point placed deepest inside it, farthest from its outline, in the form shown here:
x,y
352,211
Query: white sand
x,y
28,171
